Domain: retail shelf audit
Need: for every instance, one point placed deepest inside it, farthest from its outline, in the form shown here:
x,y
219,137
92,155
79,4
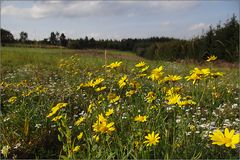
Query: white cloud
x,y
42,9
173,5
14,11
53,9
198,26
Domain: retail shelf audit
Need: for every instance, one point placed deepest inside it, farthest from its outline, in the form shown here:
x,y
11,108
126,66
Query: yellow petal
x,y
230,135
233,146
235,139
226,132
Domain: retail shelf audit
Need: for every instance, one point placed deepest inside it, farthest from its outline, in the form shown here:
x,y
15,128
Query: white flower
x,y
188,133
38,125
234,105
17,145
203,126
6,119
178,120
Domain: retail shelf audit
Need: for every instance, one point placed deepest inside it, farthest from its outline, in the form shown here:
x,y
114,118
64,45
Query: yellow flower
x,y
172,78
217,74
197,74
173,90
112,97
79,121
114,65
192,127
151,97
156,73
122,81
182,103
97,82
56,108
136,144
144,69
89,74
91,105
89,84
76,149
173,99
55,119
185,102
142,75
153,107
96,138
102,126
228,138
100,89
101,118
140,64
80,86
130,93
205,71
109,112
200,72
135,84
152,139
193,77
12,99
140,118
212,58
28,93
80,136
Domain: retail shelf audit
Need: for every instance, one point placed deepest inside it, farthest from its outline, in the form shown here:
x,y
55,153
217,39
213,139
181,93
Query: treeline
x,y
222,41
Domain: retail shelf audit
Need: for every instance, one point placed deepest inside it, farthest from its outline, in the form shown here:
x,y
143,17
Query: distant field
x,y
16,56
62,103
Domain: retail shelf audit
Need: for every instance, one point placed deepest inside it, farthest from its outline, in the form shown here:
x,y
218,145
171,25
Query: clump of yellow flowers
x,y
122,104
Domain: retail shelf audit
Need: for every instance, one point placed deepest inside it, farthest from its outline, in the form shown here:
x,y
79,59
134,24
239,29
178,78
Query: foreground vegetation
x,y
70,104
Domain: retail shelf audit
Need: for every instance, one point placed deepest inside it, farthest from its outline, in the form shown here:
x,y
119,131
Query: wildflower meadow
x,y
62,104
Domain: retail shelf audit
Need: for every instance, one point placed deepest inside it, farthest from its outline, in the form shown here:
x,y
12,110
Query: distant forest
x,y
221,40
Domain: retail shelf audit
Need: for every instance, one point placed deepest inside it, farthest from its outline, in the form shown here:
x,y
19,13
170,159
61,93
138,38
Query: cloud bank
x,y
44,9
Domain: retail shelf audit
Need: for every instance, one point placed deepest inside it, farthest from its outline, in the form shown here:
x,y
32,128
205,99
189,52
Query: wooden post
x,y
105,56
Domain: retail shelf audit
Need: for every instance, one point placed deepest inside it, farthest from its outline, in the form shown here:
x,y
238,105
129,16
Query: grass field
x,y
72,104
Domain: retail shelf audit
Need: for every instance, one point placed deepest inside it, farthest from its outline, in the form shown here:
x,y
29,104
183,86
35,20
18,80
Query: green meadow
x,y
95,104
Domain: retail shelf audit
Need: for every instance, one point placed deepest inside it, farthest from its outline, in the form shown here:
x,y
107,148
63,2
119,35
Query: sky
x,y
115,19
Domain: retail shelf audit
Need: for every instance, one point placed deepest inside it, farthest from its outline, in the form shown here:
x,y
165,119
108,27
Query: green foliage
x,y
23,37
6,36
222,41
